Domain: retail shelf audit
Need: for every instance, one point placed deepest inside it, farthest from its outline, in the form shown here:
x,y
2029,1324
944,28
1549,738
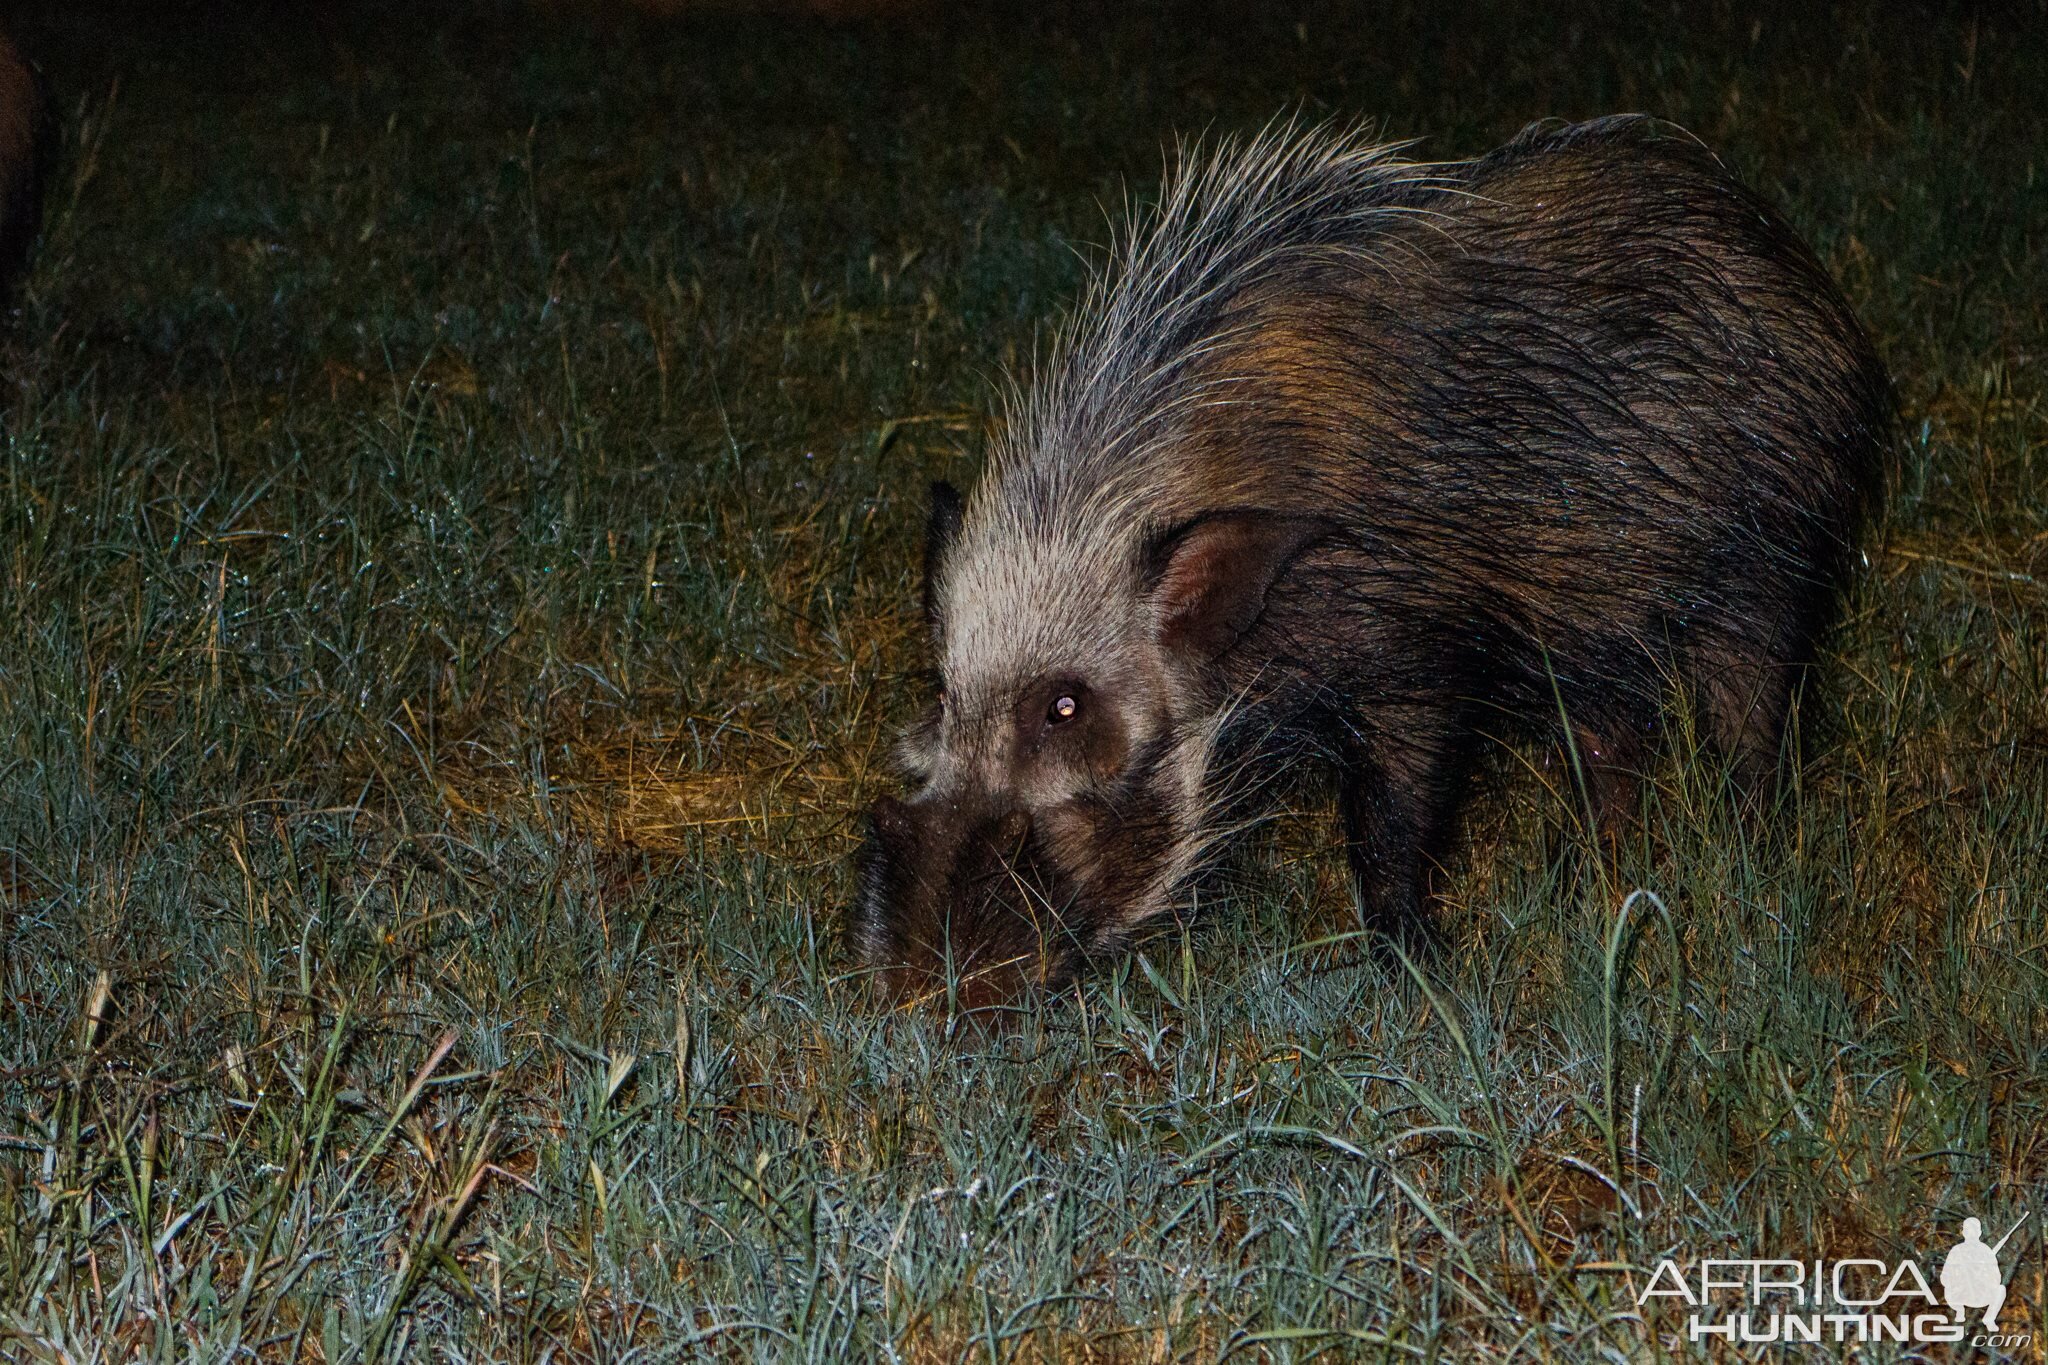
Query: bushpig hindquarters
x,y
1367,463
24,158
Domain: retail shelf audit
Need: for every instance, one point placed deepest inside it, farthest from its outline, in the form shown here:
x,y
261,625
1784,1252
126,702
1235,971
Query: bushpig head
x,y
1061,770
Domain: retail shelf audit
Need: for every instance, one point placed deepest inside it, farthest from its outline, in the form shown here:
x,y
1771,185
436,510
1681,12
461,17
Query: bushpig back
x,y
1604,418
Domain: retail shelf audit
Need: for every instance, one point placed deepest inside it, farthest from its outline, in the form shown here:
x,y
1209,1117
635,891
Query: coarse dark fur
x,y
25,147
1371,463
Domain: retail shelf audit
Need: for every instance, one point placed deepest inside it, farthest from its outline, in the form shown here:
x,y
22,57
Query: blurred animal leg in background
x,y
24,153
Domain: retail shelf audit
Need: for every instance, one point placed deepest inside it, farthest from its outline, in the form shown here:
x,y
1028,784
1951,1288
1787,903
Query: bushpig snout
x,y
958,900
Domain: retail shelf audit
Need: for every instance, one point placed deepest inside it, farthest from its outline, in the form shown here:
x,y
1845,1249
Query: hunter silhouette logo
x,y
1970,1278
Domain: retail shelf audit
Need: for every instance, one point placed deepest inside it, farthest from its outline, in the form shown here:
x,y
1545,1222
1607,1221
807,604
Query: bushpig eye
x,y
1053,702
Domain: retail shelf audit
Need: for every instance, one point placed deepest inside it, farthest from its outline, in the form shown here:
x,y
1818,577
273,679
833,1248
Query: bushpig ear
x,y
939,534
1210,577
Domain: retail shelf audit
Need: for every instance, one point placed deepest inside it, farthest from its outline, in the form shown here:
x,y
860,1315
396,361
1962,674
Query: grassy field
x,y
462,485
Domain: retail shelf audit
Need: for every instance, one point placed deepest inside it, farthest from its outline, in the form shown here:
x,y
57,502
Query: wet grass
x,y
462,479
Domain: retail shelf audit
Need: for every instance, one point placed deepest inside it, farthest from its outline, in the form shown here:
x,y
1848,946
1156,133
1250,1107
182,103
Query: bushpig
x,y
1360,465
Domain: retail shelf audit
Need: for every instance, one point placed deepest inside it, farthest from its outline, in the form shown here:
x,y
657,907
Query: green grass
x,y
461,492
